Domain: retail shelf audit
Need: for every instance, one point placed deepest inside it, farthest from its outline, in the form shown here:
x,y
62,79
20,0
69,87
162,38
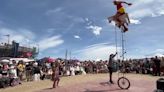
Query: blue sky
x,y
81,27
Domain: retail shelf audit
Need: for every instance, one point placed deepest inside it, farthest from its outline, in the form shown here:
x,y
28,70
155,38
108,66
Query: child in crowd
x,y
55,74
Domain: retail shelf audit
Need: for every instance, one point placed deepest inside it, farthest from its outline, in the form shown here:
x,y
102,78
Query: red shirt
x,y
119,5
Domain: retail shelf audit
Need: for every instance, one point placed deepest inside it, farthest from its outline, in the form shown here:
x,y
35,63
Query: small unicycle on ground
x,y
123,83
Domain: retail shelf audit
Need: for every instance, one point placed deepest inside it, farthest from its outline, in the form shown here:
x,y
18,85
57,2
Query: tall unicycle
x,y
123,82
121,20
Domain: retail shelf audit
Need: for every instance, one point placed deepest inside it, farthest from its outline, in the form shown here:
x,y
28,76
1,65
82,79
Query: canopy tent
x,y
47,59
26,60
50,60
5,61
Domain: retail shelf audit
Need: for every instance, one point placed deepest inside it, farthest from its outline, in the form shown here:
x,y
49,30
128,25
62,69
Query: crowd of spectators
x,y
153,66
14,73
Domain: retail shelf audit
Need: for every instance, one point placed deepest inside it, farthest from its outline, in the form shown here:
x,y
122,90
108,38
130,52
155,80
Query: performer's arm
x,y
126,3
114,55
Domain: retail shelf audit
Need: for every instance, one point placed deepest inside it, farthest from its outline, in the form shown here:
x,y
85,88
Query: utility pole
x,y
38,48
8,42
66,54
28,42
70,55
66,62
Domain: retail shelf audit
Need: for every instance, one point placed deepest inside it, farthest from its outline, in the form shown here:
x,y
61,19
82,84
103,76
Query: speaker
x,y
160,84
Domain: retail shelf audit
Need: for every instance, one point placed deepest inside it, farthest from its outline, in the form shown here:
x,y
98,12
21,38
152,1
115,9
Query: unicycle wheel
x,y
123,83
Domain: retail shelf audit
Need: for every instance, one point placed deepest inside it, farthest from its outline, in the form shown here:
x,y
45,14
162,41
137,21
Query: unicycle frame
x,y
123,73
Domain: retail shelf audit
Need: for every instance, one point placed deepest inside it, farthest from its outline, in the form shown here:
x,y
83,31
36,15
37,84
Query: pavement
x,y
139,83
89,83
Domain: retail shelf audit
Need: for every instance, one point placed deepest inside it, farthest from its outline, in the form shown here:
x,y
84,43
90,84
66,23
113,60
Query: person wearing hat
x,y
111,59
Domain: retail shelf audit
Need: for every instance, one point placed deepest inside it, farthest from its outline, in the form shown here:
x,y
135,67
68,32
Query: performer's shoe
x,y
125,29
119,26
109,20
111,82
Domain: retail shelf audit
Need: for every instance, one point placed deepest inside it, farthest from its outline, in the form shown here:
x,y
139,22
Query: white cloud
x,y
19,35
26,38
51,30
76,36
159,50
95,29
97,51
134,21
27,33
59,12
86,19
52,11
159,55
155,54
141,13
89,23
50,42
146,8
76,19
162,12
129,56
97,45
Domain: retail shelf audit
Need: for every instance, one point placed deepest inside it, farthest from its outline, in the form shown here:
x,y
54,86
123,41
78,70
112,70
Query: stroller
x,y
9,81
13,80
4,82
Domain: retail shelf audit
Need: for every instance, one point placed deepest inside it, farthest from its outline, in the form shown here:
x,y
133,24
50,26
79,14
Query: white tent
x,y
26,60
5,61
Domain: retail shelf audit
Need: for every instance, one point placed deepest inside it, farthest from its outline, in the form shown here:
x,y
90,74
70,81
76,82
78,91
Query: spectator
x,y
13,69
5,69
20,70
157,64
72,69
55,74
29,71
147,66
111,57
37,72
0,70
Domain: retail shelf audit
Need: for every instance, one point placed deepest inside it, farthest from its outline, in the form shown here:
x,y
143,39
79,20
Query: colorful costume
x,y
120,9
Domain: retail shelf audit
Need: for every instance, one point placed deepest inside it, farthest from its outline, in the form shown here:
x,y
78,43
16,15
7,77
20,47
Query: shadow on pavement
x,y
105,84
47,89
107,90
96,91
110,90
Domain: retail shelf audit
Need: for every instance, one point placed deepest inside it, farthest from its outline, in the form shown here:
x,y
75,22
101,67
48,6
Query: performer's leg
x,y
110,75
58,82
111,81
109,19
125,28
54,83
158,71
